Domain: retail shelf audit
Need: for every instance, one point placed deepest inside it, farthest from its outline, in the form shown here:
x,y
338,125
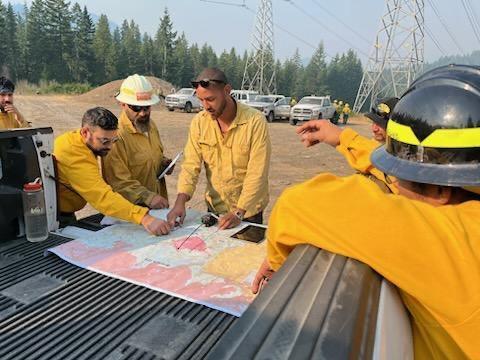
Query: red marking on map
x,y
193,243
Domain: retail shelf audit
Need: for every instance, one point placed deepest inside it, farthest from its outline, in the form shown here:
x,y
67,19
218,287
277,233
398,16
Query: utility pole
x,y
397,56
259,74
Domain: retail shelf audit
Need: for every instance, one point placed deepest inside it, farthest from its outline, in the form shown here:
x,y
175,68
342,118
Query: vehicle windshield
x,y
265,99
312,101
186,91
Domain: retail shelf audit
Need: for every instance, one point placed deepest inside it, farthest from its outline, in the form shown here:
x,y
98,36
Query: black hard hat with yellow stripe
x,y
433,135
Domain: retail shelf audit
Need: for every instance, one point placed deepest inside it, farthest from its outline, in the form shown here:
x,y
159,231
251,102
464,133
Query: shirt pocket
x,y
241,156
209,150
140,159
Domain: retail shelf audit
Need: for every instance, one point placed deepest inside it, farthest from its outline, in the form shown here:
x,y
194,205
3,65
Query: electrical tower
x,y
259,74
397,55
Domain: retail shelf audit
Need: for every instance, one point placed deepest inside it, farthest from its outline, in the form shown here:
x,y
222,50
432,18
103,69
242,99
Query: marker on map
x,y
175,159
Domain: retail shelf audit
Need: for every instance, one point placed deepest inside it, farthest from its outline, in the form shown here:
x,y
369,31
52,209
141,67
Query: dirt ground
x,y
291,162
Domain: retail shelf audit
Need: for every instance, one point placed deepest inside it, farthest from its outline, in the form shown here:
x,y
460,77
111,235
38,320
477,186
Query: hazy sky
x,y
226,26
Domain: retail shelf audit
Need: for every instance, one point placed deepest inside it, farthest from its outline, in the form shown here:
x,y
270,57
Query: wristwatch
x,y
239,215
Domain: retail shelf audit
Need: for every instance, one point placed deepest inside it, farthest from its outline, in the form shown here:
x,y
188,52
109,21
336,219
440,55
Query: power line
x,y
435,41
343,23
472,18
326,27
445,26
279,27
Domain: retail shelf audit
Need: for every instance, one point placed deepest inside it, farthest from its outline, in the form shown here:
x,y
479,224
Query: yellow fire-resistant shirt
x,y
134,163
8,121
357,150
432,254
236,164
81,181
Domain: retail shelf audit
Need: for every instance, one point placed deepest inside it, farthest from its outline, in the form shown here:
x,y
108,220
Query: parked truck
x,y
184,99
312,107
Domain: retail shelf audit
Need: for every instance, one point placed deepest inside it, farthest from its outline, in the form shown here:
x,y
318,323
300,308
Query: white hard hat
x,y
137,90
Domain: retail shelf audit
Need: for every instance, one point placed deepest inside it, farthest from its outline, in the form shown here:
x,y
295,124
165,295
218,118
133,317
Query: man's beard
x,y
217,113
143,124
96,152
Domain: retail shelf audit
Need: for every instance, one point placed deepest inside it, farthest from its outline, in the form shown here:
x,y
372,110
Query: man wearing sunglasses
x,y
80,180
133,165
232,141
10,117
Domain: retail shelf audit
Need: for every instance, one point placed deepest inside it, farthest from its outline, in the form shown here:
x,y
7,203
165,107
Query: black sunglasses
x,y
137,108
205,83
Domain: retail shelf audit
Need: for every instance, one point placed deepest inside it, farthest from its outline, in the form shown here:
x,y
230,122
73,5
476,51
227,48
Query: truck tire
x,y
170,109
188,107
320,116
270,117
292,121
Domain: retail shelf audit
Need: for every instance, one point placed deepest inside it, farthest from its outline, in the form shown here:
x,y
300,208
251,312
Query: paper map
x,y
208,268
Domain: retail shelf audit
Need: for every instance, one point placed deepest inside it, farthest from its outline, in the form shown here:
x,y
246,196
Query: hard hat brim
x,y
459,175
128,100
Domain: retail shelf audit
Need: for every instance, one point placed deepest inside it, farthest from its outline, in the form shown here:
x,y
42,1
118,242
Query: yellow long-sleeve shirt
x,y
432,254
9,121
81,181
134,163
357,150
236,164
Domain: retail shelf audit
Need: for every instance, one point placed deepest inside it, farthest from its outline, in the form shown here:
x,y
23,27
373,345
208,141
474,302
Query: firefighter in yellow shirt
x,y
79,177
427,240
10,117
346,113
232,141
133,165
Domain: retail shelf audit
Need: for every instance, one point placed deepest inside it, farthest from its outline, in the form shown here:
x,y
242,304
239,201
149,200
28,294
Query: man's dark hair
x,y
101,117
212,73
6,85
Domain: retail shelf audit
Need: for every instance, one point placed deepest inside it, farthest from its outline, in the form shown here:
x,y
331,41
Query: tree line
x,y
53,40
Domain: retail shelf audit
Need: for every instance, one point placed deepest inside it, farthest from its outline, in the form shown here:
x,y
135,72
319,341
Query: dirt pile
x,y
105,94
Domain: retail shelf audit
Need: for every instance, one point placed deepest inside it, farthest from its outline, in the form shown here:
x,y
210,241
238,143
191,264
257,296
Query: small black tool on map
x,y
209,220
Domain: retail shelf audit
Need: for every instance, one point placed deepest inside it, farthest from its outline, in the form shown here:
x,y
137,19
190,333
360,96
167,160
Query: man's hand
x,y
10,108
264,274
317,131
177,214
155,226
165,163
228,221
158,202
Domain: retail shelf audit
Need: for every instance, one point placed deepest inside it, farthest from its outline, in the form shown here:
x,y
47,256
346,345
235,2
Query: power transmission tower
x,y
397,55
259,74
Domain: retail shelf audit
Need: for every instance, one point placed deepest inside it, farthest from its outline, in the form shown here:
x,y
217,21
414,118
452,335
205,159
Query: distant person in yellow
x,y
10,117
231,140
346,113
79,177
425,240
133,165
379,115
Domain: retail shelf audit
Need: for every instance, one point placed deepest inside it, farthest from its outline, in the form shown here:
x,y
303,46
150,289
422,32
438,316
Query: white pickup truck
x,y
184,99
312,107
272,106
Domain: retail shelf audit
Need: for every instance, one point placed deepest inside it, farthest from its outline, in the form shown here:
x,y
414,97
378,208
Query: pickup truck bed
x,y
319,305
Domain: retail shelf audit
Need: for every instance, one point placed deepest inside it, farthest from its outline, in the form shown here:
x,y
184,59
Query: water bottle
x,y
34,213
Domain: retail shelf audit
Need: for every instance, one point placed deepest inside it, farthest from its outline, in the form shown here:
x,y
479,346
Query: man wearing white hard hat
x,y
133,165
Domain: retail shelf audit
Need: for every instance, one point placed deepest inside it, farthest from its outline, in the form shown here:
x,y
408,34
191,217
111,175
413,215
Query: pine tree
x,y
22,58
35,42
131,45
314,77
10,43
147,55
59,40
83,56
182,63
164,43
103,50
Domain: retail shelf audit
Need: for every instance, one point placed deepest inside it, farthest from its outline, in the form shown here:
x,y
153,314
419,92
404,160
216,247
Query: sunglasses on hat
x,y
137,108
205,83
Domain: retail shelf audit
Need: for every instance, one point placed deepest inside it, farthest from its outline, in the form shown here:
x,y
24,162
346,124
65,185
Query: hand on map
x,y
176,215
264,274
158,202
155,226
318,131
228,221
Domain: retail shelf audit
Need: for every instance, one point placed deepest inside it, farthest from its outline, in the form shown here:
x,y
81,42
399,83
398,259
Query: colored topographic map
x,y
209,267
